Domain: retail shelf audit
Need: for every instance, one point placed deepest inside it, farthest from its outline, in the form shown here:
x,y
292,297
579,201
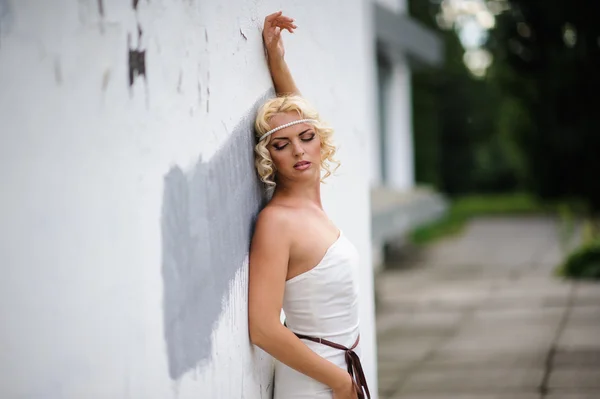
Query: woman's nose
x,y
298,149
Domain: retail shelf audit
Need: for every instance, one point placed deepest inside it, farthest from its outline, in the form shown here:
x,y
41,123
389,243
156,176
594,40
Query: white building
x,y
129,190
397,203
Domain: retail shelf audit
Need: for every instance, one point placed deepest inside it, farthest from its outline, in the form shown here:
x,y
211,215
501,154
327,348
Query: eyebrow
x,y
285,138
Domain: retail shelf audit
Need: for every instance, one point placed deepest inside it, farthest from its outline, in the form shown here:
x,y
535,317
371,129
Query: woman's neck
x,y
297,194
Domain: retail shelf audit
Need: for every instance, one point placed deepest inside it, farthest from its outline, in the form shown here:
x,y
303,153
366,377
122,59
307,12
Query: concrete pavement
x,y
482,316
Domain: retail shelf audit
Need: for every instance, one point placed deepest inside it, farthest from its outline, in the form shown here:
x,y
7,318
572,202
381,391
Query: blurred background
x,y
494,296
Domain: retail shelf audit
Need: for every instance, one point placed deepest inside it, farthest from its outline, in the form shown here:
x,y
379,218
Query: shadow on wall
x,y
6,18
207,220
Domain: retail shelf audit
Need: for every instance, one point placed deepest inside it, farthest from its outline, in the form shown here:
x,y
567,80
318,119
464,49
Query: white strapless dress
x,y
321,303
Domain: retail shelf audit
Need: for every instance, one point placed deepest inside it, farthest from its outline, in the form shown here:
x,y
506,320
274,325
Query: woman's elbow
x,y
255,338
258,333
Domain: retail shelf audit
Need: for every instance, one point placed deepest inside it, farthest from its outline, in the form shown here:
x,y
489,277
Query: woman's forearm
x,y
281,75
284,346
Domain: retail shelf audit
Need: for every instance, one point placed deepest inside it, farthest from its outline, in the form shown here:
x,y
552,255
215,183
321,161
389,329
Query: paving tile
x,y
581,358
580,336
520,315
507,337
469,396
406,350
575,378
423,324
487,358
388,320
587,292
475,317
584,315
562,394
387,385
483,380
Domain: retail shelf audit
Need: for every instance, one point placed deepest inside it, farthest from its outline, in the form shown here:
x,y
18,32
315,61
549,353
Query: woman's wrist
x,y
275,60
343,382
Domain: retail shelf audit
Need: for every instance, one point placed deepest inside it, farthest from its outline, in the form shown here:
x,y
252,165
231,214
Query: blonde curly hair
x,y
290,103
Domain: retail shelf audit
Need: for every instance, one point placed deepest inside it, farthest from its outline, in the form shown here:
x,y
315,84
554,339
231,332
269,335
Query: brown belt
x,y
352,361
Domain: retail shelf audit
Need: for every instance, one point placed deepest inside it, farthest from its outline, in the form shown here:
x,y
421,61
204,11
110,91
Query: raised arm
x,y
280,73
269,255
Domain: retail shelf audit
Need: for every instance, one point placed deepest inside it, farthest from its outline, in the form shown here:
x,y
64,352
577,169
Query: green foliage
x,y
532,123
549,86
464,208
458,147
426,128
591,230
583,263
426,105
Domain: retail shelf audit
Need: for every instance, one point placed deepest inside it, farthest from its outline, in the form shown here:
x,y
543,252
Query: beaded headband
x,y
270,132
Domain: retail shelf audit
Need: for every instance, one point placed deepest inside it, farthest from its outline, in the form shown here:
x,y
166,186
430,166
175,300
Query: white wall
x,y
399,129
398,157
94,172
397,6
392,163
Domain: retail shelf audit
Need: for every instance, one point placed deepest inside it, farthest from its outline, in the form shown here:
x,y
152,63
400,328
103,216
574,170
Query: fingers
x,y
271,17
278,19
285,24
282,20
276,22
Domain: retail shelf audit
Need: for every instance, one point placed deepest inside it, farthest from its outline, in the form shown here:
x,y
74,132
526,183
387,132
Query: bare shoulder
x,y
273,222
270,248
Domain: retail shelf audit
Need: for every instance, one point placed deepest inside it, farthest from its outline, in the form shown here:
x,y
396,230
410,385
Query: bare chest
x,y
313,235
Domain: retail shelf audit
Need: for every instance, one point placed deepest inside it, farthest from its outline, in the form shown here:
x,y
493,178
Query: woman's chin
x,y
302,175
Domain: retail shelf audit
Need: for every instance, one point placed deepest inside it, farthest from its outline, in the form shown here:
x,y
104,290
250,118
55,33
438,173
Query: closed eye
x,y
310,138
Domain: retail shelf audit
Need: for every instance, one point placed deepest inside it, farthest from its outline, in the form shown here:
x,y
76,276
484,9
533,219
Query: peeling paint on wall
x,y
207,220
204,75
207,99
136,2
137,59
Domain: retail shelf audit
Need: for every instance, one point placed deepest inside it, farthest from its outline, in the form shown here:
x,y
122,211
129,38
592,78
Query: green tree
x,y
546,63
457,144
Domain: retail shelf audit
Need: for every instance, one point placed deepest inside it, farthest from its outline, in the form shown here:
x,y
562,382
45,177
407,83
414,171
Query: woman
x,y
299,260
